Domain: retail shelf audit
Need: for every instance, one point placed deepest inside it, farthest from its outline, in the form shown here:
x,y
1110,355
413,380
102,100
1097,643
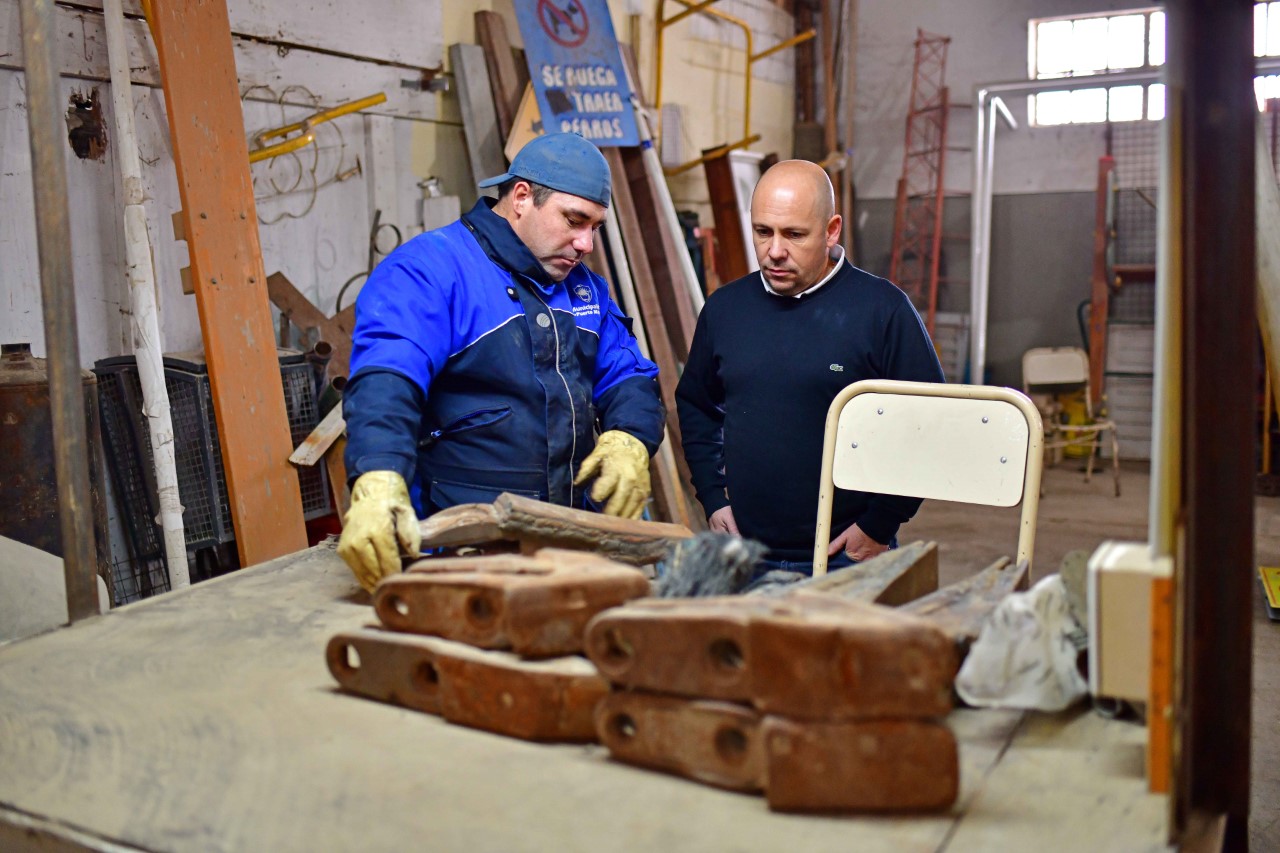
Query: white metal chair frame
x,y
968,443
1069,366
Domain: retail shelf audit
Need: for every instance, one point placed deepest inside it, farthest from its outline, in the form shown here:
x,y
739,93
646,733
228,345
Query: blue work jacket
x,y
472,373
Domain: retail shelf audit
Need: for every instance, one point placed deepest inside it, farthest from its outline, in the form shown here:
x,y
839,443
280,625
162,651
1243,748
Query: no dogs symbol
x,y
565,21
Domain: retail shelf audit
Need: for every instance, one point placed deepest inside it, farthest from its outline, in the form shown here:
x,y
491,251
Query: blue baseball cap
x,y
562,161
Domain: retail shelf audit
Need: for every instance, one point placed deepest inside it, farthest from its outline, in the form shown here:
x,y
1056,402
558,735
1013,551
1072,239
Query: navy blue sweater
x,y
762,372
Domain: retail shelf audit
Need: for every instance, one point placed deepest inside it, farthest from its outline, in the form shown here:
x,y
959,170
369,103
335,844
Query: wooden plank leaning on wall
x,y
507,77
662,348
198,71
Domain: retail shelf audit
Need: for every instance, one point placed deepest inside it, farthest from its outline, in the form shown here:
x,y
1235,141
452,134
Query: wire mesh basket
x,y
202,482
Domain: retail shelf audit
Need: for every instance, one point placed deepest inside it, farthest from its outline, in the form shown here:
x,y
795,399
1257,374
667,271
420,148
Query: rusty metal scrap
x,y
805,656
718,743
868,765
537,606
873,765
551,700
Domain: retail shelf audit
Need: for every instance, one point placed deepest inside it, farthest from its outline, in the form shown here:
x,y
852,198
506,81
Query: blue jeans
x,y
805,567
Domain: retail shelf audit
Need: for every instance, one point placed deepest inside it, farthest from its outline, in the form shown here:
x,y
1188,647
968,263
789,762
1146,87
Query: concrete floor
x,y
1075,515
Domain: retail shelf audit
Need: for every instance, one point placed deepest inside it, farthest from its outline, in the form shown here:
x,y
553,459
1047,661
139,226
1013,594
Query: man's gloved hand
x,y
620,464
380,525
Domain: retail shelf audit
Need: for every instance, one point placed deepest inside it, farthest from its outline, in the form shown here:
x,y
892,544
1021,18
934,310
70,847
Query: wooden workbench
x,y
206,719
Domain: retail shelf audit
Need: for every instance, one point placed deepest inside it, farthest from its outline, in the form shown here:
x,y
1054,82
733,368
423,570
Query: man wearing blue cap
x,y
484,356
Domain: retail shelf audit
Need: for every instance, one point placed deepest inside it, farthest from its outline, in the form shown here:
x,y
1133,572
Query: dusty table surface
x,y
206,719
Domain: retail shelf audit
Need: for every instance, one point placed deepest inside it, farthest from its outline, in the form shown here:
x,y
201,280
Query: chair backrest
x,y
969,443
1054,366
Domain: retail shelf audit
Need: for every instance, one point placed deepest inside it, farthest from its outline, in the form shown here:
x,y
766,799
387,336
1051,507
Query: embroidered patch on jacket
x,y
582,292
837,368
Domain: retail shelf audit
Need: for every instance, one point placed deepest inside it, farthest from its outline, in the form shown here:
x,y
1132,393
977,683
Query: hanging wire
x,y
305,177
377,227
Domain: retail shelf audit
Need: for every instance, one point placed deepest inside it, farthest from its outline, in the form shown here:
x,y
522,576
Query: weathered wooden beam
x,y
479,120
465,524
206,127
317,443
731,246
959,609
662,349
536,606
892,578
660,244
507,78
537,524
547,700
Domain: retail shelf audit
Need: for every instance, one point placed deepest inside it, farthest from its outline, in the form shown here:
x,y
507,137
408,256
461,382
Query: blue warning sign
x,y
577,71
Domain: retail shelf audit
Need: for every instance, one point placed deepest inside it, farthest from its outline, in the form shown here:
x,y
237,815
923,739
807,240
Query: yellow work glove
x,y
620,465
380,525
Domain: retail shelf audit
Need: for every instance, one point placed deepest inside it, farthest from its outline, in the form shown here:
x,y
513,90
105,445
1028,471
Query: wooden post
x,y
661,347
731,244
507,78
660,245
1210,82
58,299
206,125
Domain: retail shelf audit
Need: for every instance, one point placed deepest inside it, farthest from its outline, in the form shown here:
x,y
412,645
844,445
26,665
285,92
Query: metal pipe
x,y
711,155
318,357
752,57
980,226
148,343
980,262
680,16
58,297
1165,496
1267,201
750,48
799,38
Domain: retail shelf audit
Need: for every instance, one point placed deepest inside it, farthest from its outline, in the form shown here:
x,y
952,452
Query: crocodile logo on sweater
x,y
837,368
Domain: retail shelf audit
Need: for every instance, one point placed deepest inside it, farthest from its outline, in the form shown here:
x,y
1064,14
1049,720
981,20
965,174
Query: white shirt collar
x,y
839,262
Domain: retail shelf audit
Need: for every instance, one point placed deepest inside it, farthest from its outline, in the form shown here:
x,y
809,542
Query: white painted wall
x,y
988,45
280,82
313,227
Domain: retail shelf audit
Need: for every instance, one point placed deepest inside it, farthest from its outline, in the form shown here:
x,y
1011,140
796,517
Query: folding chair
x,y
969,443
1061,368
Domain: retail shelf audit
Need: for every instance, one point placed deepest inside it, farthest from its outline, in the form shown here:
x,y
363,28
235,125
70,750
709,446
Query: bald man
x,y
770,353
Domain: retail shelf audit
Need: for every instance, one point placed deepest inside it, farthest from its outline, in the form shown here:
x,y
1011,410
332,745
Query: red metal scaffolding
x,y
917,224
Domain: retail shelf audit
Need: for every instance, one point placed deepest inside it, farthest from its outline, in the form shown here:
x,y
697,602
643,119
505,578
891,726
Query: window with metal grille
x,y
1090,45
1133,40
